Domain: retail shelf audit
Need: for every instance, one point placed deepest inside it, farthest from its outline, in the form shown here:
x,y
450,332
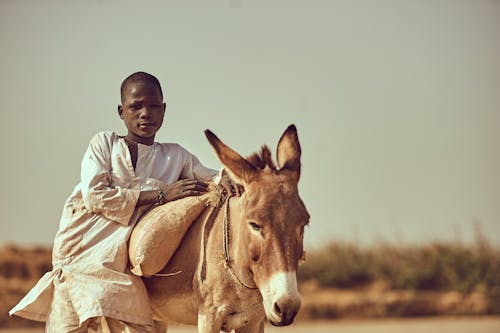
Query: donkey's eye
x,y
255,226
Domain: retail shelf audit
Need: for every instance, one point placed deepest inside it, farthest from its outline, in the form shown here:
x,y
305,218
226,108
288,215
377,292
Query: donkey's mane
x,y
262,159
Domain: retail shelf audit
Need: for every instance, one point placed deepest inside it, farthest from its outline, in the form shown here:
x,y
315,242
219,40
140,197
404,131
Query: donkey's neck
x,y
236,253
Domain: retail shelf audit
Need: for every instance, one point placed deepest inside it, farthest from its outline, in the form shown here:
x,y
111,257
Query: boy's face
x,y
142,110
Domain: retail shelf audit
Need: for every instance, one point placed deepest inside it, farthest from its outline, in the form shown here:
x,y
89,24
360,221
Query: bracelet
x,y
161,197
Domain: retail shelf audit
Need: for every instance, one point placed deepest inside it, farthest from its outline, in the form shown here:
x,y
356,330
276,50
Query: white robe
x,y
90,248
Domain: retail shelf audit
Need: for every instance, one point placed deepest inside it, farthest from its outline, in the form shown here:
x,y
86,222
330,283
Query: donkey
x,y
237,265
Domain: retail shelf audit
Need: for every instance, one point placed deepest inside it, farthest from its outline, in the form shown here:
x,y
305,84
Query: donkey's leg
x,y
209,322
160,327
253,327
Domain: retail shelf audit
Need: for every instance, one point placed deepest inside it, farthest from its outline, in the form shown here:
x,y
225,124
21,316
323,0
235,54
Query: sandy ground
x,y
427,325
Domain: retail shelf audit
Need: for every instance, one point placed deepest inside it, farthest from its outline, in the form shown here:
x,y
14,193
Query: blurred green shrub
x,y
339,265
436,266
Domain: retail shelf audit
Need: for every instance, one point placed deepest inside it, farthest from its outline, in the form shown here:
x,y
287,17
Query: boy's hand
x,y
184,188
230,185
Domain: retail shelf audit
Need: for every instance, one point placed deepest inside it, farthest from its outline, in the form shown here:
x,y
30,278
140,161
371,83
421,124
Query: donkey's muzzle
x,y
286,309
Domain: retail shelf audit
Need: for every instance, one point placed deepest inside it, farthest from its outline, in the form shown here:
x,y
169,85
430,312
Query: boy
x,y
121,176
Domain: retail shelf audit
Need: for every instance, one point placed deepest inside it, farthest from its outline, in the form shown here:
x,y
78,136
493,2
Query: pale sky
x,y
397,103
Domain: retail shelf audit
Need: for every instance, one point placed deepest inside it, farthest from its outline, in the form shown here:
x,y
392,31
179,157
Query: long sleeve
x,y
99,195
193,169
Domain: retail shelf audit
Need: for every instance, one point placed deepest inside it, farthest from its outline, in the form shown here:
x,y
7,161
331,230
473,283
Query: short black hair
x,y
140,77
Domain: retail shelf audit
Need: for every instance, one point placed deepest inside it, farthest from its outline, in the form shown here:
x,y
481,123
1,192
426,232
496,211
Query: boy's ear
x,y
120,111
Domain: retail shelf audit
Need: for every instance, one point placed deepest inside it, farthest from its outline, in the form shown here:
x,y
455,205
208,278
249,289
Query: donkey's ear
x,y
288,152
239,168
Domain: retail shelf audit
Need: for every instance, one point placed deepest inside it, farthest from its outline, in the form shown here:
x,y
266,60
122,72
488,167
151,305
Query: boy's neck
x,y
137,139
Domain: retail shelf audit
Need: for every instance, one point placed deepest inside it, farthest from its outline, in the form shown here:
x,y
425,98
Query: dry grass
x,y
339,280
20,269
376,300
436,266
424,277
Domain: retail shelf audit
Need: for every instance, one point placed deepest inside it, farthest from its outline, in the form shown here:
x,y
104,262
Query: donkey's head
x,y
271,221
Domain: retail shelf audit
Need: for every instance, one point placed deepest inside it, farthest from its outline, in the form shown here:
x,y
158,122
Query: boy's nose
x,y
145,112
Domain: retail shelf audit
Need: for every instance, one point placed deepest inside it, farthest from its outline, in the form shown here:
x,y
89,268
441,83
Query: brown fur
x,y
205,293
263,159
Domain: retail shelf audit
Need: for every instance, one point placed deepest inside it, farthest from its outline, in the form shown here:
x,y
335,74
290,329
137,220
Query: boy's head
x,y
142,107
140,77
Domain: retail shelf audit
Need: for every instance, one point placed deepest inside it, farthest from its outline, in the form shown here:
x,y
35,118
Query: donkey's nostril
x,y
285,308
277,308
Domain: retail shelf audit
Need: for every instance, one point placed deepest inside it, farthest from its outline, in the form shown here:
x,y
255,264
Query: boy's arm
x,y
178,190
194,169
115,203
118,203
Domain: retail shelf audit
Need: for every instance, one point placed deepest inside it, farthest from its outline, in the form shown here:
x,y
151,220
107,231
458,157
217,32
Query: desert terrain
x,y
345,292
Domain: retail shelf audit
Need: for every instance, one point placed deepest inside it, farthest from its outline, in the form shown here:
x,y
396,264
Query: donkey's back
x,y
196,283
173,296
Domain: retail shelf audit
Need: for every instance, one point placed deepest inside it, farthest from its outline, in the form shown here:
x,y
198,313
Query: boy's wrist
x,y
161,198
